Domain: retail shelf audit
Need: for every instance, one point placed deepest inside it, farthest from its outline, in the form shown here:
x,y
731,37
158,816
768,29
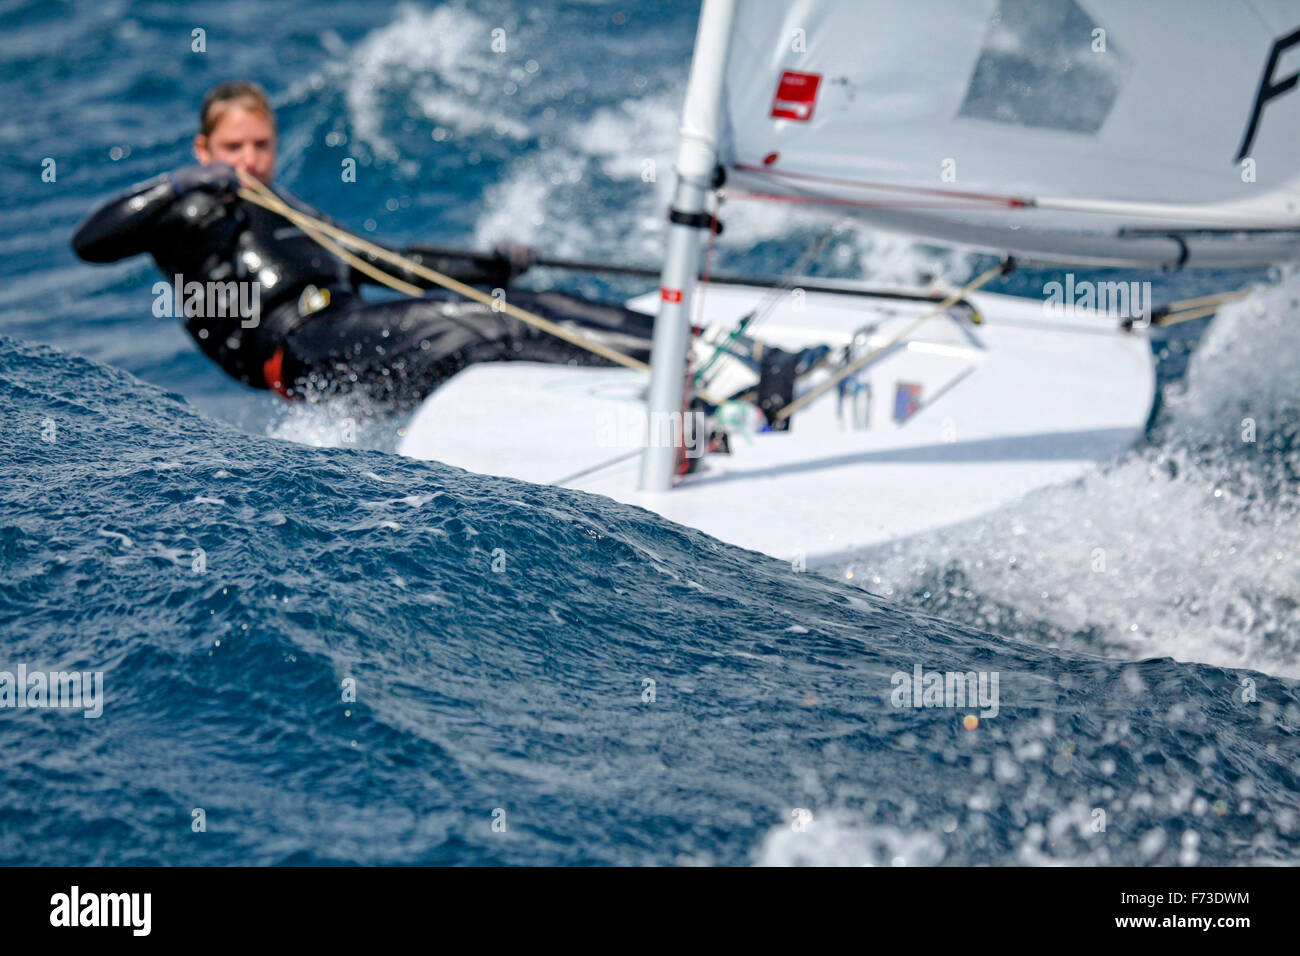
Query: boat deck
x,y
988,412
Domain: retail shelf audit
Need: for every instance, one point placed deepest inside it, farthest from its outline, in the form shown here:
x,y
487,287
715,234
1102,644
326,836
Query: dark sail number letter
x,y
1268,89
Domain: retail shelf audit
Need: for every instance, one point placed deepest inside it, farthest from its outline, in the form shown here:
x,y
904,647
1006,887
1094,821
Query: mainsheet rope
x,y
325,233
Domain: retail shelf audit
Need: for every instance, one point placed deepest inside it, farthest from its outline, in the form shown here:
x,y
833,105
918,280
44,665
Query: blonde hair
x,y
225,96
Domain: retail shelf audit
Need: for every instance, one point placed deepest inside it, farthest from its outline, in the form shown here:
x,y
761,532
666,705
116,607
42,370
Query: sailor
x,y
312,334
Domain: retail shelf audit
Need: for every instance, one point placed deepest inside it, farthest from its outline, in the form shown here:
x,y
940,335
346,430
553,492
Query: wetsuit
x,y
313,333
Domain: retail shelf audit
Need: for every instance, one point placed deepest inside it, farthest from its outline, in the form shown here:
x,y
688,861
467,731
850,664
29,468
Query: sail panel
x,y
1075,127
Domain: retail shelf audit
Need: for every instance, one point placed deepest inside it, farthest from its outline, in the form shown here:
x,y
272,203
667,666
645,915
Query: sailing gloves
x,y
218,179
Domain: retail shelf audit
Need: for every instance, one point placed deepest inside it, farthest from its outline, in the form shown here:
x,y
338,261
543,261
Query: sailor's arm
x,y
125,226
122,226
497,268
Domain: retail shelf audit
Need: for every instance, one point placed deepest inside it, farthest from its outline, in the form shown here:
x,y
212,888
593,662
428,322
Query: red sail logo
x,y
796,96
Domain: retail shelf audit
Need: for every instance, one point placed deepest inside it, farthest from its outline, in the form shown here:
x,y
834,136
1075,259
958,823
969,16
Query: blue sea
x,y
319,652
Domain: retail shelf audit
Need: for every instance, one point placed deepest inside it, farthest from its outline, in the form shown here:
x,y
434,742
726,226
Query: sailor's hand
x,y
219,179
519,256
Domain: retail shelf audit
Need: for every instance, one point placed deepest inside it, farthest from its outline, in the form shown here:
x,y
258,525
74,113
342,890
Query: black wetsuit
x,y
314,333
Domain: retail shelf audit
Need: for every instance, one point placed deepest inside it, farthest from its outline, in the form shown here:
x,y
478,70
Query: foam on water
x,y
340,422
836,841
1187,547
436,55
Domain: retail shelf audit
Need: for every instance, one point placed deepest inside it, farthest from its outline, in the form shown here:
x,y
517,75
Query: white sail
x,y
1150,133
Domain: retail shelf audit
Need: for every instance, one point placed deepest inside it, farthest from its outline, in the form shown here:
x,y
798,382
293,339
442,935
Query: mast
x,y
697,157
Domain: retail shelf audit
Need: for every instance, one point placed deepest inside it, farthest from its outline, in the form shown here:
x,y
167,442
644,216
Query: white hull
x,y
1022,401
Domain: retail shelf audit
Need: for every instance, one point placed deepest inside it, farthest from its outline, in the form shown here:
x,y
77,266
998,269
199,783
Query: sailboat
x,y
1176,144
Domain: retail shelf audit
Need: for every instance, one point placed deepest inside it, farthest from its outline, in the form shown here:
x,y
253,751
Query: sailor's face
x,y
244,139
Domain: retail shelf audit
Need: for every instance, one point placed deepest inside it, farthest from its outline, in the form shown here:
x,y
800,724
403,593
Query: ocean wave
x,y
377,660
